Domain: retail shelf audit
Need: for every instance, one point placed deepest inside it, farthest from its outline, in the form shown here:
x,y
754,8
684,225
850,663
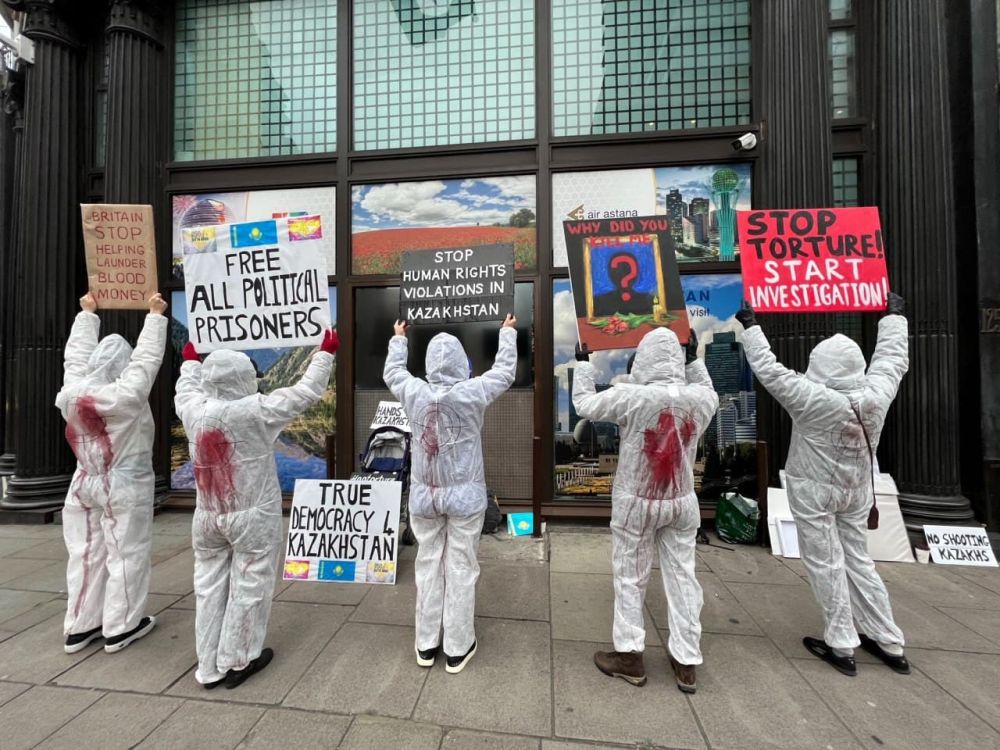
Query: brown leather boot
x,y
685,676
627,665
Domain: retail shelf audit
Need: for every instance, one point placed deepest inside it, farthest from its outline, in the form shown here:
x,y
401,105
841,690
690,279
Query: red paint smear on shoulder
x,y
214,473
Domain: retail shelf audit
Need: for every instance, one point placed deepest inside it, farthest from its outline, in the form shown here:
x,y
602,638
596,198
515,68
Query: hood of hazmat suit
x,y
236,531
446,416
108,514
661,415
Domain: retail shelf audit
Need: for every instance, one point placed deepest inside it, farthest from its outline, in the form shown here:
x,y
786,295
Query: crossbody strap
x,y
871,455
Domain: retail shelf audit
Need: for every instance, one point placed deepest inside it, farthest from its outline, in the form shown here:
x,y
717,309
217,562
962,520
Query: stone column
x,y
792,100
49,254
914,179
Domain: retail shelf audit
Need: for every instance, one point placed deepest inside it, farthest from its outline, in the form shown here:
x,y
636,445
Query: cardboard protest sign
x,y
960,545
625,280
343,531
257,284
391,414
121,254
457,286
813,260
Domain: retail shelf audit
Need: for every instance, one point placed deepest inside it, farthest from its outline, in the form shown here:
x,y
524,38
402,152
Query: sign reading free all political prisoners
x,y
256,284
343,531
457,286
813,260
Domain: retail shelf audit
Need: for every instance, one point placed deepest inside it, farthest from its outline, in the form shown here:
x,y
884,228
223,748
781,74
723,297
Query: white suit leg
x,y
823,557
869,598
86,574
461,571
633,531
429,569
212,562
128,534
251,587
677,543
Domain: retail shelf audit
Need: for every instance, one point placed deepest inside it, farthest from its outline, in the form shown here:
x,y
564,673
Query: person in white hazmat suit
x,y
108,514
662,412
447,501
236,530
837,411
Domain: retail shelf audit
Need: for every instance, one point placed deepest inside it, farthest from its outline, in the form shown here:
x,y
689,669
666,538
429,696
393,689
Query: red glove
x,y
190,354
331,342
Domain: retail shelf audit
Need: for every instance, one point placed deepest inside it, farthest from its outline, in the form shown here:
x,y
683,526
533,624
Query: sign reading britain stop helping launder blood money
x,y
121,254
343,531
813,260
256,284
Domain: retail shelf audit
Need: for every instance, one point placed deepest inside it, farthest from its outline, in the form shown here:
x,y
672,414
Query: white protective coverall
x,y
448,487
108,514
829,470
236,530
662,413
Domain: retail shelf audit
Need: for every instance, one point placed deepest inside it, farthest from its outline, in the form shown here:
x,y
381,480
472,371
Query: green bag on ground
x,y
736,519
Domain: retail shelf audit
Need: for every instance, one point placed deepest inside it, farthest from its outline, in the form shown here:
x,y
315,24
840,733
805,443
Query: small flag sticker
x,y
305,228
336,570
254,234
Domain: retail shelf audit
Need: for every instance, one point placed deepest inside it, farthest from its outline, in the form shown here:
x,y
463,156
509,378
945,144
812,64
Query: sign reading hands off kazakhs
x,y
121,254
343,531
813,260
256,284
457,286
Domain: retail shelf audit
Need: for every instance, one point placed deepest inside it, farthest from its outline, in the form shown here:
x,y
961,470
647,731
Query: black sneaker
x,y
426,657
236,677
79,641
118,642
843,664
898,663
455,664
213,685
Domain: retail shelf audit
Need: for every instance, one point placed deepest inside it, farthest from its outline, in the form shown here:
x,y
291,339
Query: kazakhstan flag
x,y
254,233
336,570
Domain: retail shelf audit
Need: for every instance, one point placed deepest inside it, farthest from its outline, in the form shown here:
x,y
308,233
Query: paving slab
x,y
721,613
937,585
924,626
986,577
460,739
580,553
749,696
37,614
10,690
972,679
53,549
589,705
118,721
150,665
296,729
374,733
583,607
297,633
166,546
741,563
34,575
784,613
514,592
36,655
366,668
985,622
505,548
506,687
887,710
314,592
15,546
390,605
5,634
560,745
195,726
36,713
174,523
14,604
39,531
174,575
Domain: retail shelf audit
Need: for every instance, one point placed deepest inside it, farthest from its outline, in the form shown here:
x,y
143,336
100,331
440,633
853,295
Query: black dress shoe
x,y
236,677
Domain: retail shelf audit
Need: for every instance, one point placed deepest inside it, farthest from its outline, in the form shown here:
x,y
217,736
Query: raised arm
x,y
792,390
136,380
500,377
890,359
82,341
188,393
397,378
607,406
285,404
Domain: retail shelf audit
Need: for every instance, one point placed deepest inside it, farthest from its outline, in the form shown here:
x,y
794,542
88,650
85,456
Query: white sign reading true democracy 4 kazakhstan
x,y
343,531
256,284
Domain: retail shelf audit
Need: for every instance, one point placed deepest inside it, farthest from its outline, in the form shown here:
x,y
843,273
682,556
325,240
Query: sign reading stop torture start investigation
x,y
121,254
813,260
457,286
256,285
344,531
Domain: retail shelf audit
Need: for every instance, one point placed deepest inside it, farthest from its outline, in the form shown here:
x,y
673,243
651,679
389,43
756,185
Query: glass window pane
x,y
840,9
842,76
667,65
442,214
845,182
243,86
432,57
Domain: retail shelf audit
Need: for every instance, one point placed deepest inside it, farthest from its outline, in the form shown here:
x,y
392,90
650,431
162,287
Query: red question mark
x,y
629,277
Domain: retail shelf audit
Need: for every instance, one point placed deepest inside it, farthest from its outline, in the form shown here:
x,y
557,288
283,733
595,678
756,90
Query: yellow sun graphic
x,y
338,569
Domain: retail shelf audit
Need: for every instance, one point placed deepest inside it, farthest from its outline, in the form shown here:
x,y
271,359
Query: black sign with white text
x,y
457,286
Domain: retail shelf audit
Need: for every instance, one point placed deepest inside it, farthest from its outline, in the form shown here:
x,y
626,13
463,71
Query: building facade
x,y
417,124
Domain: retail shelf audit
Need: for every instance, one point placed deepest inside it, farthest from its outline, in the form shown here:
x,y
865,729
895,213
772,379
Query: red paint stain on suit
x,y
86,427
214,473
665,447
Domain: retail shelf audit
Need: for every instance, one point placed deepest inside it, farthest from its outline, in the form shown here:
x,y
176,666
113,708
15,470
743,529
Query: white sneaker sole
x,y
461,665
110,649
83,644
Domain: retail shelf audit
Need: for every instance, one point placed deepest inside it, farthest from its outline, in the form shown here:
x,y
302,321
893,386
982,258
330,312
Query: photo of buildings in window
x,y
300,451
388,220
701,202
586,454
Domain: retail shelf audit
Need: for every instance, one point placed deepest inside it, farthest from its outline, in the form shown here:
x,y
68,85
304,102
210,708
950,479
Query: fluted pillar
x,y
915,182
133,153
49,252
792,99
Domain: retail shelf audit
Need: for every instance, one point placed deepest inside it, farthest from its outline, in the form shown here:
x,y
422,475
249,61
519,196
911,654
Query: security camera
x,y
745,142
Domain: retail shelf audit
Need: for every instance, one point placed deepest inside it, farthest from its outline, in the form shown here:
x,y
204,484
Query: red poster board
x,y
813,260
